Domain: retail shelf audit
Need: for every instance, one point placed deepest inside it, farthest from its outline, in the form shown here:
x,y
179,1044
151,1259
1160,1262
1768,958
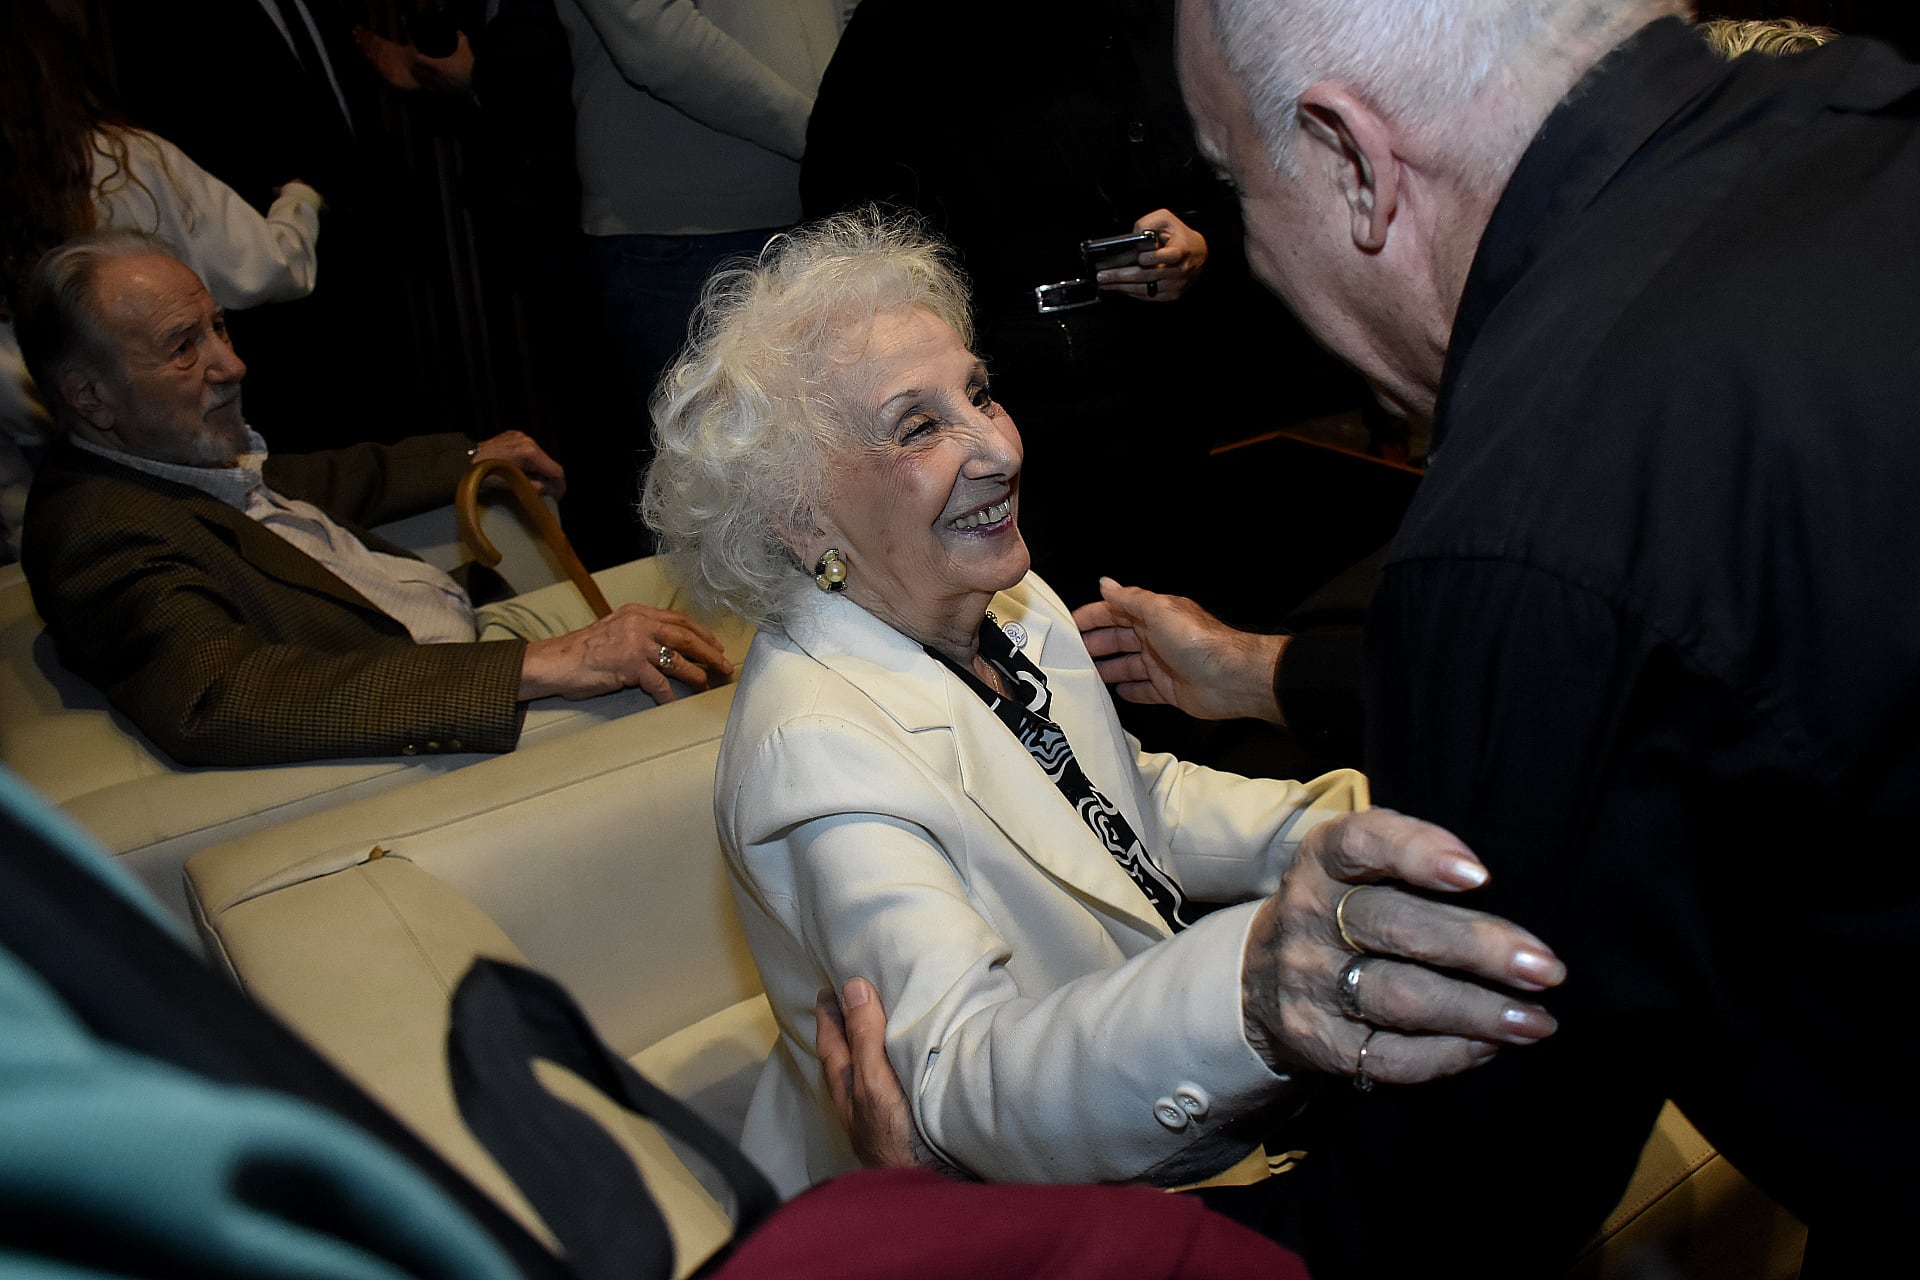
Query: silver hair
x,y
59,323
748,422
1449,70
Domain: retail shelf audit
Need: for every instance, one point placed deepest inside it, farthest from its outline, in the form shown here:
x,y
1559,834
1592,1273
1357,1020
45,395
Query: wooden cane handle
x,y
466,514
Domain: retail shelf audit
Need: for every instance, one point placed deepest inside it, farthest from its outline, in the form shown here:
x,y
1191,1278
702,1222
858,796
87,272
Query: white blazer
x,y
879,820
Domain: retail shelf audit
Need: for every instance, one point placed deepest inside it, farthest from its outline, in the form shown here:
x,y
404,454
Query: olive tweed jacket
x,y
227,645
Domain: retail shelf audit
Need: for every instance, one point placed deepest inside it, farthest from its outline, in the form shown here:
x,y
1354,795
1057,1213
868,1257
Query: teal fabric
x,y
113,1163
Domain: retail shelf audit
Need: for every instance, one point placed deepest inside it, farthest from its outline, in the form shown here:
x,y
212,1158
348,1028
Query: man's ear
x,y
81,389
1361,147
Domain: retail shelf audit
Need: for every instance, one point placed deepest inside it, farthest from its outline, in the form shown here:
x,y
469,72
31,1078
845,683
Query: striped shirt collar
x,y
232,485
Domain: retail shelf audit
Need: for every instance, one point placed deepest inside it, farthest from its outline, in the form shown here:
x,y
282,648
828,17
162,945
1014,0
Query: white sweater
x,y
691,117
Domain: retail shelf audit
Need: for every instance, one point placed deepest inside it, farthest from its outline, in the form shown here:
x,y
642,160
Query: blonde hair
x,y
747,423
1731,37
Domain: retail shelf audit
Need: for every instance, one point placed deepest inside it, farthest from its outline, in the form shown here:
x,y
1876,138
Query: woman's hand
x,y
1413,1003
1163,274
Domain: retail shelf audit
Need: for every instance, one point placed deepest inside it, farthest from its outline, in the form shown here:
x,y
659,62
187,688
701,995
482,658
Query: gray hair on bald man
x,y
59,323
1452,72
748,422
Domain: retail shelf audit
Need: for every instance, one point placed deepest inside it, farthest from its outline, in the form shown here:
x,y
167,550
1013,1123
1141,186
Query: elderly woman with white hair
x,y
924,782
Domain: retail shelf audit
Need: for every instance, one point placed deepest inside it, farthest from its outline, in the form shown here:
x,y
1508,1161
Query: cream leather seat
x,y
60,735
594,859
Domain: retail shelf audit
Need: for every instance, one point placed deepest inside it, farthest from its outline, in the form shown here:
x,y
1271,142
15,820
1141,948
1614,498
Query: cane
x,y
466,513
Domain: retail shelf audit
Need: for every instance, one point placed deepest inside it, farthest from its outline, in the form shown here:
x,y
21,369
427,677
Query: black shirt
x,y
1649,643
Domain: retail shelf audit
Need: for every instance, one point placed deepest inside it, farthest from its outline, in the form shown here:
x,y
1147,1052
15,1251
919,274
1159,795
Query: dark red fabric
x,y
880,1224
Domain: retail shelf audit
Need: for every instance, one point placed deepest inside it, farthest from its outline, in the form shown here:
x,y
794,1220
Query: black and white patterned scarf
x,y
1024,712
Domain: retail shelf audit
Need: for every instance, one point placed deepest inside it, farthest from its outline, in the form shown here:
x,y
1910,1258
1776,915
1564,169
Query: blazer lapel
x,y
920,694
1001,778
263,549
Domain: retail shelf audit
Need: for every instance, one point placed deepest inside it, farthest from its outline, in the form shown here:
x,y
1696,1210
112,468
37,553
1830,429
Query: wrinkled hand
x,y
621,651
406,68
1170,270
524,452
1166,649
850,1035
1419,985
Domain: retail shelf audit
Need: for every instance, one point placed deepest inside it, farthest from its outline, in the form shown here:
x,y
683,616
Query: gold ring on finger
x,y
1340,918
666,658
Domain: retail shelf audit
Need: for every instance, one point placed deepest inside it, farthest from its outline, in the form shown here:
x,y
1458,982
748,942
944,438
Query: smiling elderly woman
x,y
923,780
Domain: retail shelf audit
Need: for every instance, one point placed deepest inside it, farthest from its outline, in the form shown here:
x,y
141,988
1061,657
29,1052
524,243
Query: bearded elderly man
x,y
1648,640
227,601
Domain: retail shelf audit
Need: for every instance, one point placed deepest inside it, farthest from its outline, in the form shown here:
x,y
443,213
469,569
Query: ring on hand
x,y
665,659
1153,288
1340,918
1360,1078
1346,989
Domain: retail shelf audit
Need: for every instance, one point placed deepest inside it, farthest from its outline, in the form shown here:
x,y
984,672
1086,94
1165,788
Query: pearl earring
x,y
830,574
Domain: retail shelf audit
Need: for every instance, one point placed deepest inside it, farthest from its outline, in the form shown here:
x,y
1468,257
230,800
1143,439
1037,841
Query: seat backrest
x,y
592,858
594,855
525,562
59,734
56,730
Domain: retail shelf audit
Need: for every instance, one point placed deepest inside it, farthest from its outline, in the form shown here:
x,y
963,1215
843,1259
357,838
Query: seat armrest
x,y
596,853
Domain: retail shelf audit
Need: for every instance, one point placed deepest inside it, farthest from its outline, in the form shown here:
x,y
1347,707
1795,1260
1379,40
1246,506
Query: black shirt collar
x,y
1608,116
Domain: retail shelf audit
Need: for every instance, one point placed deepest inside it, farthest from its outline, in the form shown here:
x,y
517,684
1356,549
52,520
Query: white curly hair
x,y
747,423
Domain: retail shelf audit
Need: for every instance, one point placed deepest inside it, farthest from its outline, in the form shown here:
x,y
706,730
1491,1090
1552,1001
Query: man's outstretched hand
x,y
1167,649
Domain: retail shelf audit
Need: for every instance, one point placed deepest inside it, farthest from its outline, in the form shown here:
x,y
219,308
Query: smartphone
x,y
1109,246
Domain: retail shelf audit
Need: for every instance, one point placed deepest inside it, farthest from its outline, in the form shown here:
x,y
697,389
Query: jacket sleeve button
x,y
1170,1115
1193,1100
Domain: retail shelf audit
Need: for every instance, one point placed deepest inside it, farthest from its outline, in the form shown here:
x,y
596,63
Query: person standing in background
x,y
690,124
258,90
